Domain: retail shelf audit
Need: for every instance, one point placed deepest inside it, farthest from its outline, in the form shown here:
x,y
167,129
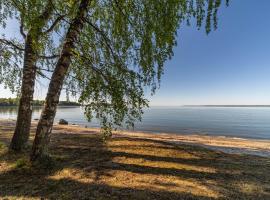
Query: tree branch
x,y
21,28
97,70
9,43
43,69
21,31
103,35
48,57
122,12
58,19
43,75
107,41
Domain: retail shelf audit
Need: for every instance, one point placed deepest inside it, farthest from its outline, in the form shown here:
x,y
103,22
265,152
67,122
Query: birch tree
x,y
26,55
111,52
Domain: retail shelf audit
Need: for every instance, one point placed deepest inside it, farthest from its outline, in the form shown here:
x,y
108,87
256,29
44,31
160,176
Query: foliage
x,y
29,15
120,52
9,101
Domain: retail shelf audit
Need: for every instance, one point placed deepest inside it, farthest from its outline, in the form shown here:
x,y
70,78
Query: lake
x,y
244,122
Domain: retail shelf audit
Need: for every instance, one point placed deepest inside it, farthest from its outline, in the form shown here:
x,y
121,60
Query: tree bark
x,y
23,124
44,128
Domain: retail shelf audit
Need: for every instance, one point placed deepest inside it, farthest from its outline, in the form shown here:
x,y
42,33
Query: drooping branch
x,y
122,12
103,35
107,41
97,70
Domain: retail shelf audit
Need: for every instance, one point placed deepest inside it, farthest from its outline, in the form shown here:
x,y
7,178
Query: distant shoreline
x,y
62,106
15,102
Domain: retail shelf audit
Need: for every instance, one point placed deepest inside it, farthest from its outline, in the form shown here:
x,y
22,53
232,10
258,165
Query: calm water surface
x,y
245,122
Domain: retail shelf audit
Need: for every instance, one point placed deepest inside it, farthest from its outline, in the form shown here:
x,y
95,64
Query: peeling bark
x,y
44,128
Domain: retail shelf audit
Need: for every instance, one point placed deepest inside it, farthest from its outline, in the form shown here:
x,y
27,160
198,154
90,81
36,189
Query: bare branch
x,y
58,19
21,28
43,75
10,43
43,69
48,57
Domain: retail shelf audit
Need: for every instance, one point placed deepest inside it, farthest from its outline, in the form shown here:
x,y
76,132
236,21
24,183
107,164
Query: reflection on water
x,y
238,122
72,114
10,112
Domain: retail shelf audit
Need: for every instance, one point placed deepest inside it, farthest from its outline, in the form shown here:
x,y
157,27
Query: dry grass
x,y
129,168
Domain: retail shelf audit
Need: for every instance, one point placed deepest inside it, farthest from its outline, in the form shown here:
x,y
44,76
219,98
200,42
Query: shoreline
x,y
225,144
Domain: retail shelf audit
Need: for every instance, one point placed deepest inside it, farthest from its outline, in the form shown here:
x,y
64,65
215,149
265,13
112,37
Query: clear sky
x,y
229,66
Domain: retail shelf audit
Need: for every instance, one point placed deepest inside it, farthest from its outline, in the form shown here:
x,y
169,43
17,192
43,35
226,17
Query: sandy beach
x,y
133,165
231,145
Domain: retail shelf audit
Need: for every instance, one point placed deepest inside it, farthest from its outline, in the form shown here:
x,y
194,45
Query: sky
x,y
230,66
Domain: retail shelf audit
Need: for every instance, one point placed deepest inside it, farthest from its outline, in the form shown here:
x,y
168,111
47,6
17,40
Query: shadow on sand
x,y
83,163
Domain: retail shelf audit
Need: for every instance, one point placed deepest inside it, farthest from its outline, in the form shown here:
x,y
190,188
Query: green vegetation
x,y
21,163
15,102
9,102
107,53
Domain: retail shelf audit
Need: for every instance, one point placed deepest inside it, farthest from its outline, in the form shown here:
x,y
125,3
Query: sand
x,y
231,145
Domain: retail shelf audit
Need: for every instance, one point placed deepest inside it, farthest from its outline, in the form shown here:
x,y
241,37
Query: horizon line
x,y
216,105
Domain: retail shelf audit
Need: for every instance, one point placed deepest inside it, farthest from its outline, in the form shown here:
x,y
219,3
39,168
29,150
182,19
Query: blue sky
x,y
229,66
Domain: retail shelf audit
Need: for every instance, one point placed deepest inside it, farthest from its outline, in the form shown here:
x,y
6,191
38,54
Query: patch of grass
x,y
45,163
2,146
84,167
21,163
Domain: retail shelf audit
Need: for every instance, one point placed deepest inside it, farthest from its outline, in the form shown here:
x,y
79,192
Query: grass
x,y
130,168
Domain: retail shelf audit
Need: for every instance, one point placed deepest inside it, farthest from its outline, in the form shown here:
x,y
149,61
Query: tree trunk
x,y
23,124
44,128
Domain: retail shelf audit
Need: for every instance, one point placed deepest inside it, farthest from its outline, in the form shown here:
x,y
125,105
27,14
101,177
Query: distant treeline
x,y
15,102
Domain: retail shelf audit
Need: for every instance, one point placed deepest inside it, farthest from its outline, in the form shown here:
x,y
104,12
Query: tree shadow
x,y
131,168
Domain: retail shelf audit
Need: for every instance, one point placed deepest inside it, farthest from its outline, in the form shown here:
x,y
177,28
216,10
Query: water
x,y
244,122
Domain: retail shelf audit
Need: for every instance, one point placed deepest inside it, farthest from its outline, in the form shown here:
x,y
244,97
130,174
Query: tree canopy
x,y
29,16
120,52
